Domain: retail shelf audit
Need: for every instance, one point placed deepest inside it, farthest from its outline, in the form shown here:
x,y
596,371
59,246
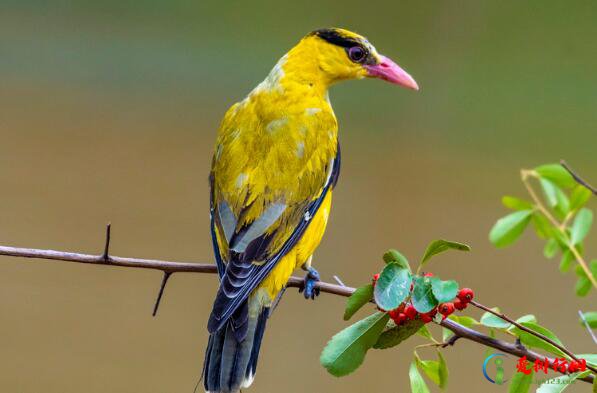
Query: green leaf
x,y
525,318
417,384
581,225
557,174
446,334
394,334
591,318
444,291
563,205
392,287
439,246
358,299
534,341
516,203
394,256
557,385
346,351
566,261
521,382
591,358
424,332
443,371
550,191
579,197
543,227
551,248
509,228
555,197
493,321
464,320
583,286
436,370
430,368
422,295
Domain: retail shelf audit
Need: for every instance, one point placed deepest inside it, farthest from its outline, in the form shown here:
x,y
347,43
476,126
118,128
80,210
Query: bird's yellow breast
x,y
278,146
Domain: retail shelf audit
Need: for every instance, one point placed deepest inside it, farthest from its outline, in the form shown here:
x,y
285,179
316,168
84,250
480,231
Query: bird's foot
x,y
310,291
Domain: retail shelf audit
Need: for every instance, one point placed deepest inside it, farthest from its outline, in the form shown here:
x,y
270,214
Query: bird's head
x,y
341,55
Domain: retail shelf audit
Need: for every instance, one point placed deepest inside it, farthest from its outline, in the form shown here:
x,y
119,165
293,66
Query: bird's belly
x,y
300,253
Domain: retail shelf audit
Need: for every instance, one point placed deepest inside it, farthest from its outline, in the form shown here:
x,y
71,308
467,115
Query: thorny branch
x,y
169,267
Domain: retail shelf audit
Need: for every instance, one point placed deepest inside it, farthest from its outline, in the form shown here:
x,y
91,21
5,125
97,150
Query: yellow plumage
x,y
275,164
277,144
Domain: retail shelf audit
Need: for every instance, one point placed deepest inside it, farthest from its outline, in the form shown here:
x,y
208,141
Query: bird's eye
x,y
357,54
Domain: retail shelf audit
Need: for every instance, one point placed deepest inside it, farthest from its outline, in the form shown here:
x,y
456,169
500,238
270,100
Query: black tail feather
x,y
231,364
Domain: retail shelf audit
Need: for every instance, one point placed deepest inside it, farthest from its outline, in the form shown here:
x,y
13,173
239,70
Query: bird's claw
x,y
309,290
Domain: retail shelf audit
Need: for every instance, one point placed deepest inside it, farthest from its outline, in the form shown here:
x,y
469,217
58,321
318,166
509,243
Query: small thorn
x,y
106,254
161,292
584,321
339,281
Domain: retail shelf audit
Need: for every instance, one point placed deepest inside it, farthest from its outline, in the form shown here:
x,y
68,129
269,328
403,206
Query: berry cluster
x,y
407,312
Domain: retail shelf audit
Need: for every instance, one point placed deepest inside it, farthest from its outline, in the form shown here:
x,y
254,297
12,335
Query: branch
x,y
532,332
503,346
577,177
168,267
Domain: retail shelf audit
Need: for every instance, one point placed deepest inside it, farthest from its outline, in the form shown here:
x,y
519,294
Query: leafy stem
x,y
526,175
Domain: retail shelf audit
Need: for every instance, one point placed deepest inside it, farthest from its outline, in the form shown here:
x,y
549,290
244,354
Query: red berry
x,y
459,304
428,275
412,285
394,314
410,312
466,295
426,318
446,309
401,307
401,319
574,366
398,317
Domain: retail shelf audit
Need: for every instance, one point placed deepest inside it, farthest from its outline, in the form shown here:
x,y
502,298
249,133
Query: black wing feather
x,y
241,276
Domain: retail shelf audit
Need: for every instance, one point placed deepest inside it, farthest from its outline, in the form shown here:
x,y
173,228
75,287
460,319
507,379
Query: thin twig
x,y
584,321
532,332
295,282
577,177
525,174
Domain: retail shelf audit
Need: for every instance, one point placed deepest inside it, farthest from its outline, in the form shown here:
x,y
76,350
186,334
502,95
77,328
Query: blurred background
x,y
108,113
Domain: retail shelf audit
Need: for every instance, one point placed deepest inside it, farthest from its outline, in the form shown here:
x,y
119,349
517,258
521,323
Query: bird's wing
x,y
251,233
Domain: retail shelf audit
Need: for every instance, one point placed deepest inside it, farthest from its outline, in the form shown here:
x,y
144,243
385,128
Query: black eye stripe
x,y
334,37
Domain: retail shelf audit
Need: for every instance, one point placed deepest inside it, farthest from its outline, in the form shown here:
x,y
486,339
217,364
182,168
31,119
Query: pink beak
x,y
391,72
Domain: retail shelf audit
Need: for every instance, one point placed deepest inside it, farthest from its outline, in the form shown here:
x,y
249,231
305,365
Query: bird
x,y
275,165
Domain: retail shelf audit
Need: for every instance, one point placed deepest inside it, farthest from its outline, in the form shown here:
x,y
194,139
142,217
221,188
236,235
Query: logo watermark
x,y
498,360
495,371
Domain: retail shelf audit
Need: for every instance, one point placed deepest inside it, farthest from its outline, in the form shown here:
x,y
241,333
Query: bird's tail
x,y
229,364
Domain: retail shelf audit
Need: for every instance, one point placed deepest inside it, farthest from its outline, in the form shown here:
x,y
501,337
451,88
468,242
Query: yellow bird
x,y
276,162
